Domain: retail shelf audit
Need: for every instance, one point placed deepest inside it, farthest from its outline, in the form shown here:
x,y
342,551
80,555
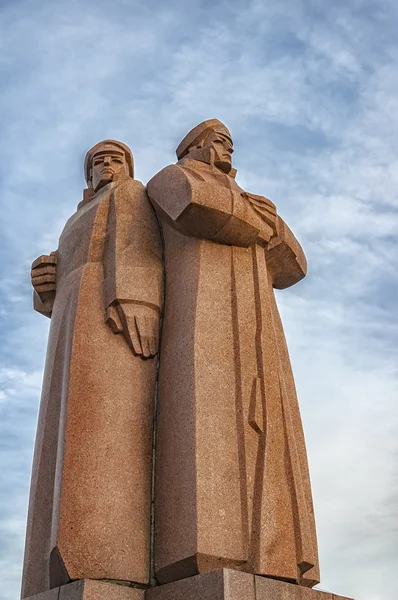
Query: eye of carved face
x,y
107,166
223,150
223,144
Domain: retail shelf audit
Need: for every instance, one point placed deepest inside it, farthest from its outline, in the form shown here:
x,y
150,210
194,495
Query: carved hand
x,y
265,208
138,323
43,276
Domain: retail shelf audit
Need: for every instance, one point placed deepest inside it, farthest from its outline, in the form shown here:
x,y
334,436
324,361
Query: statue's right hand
x,y
43,276
138,323
265,208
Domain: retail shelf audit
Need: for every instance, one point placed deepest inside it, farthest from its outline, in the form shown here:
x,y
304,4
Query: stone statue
x,y
232,486
89,512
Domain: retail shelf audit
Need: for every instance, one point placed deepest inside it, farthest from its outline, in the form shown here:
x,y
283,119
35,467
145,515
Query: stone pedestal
x,y
223,584
226,584
88,589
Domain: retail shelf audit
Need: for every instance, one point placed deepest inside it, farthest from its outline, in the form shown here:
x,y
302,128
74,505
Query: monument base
x,y
223,584
227,584
89,589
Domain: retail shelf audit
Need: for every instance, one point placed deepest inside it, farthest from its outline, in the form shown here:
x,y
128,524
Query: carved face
x,y
107,166
223,149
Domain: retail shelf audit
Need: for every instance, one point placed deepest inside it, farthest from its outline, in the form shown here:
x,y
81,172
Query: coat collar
x,y
89,194
203,166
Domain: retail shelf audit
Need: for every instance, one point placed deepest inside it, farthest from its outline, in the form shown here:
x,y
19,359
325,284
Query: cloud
x,y
18,407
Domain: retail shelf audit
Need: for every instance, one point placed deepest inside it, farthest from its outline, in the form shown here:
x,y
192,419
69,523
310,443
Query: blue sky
x,y
309,90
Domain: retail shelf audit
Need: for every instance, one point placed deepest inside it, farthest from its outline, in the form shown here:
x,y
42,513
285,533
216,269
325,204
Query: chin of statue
x,y
223,165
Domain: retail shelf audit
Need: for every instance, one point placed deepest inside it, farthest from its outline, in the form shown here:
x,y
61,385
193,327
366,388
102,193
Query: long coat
x,y
232,483
89,511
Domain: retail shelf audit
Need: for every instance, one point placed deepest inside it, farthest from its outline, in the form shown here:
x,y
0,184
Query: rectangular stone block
x,y
88,589
222,584
50,595
208,586
227,584
271,589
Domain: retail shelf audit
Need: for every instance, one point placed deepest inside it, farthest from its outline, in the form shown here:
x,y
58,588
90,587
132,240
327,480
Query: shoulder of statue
x,y
130,184
129,190
168,177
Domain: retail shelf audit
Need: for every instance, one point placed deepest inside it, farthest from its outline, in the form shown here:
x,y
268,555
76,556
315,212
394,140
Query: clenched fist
x,y
138,323
43,276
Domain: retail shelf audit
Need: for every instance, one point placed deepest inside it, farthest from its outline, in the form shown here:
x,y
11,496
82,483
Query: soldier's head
x,y
209,142
108,161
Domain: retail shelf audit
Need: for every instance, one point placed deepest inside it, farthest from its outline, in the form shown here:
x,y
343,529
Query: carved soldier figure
x,y
232,483
89,512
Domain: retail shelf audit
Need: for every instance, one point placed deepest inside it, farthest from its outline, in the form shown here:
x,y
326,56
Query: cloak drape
x,y
232,484
89,511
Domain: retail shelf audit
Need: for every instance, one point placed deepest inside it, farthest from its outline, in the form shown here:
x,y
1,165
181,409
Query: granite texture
x,y
227,584
90,501
49,595
232,484
232,495
88,589
269,589
99,590
222,584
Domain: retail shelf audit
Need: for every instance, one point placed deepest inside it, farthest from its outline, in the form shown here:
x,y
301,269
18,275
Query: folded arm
x,y
133,269
285,257
43,277
206,210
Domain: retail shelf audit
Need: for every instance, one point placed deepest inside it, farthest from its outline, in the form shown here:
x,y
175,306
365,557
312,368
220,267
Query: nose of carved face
x,y
108,166
223,159
223,150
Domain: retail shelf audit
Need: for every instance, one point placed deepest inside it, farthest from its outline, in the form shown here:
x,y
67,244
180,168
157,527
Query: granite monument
x,y
170,461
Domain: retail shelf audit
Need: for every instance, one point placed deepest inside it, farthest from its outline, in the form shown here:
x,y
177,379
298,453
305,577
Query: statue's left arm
x,y
206,209
133,269
285,257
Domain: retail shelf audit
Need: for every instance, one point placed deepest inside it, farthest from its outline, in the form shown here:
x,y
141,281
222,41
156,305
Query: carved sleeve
x,y
285,258
45,308
44,292
133,255
195,207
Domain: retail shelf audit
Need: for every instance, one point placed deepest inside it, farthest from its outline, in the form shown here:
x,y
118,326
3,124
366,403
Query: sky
x,y
309,90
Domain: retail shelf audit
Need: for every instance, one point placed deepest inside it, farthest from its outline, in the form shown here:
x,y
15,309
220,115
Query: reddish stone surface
x,y
89,513
223,584
269,589
227,584
49,595
91,590
232,483
99,590
215,585
232,487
